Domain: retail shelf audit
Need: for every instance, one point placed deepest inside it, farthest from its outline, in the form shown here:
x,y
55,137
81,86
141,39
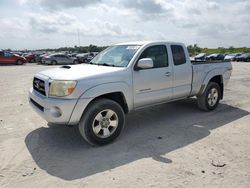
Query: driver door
x,y
153,85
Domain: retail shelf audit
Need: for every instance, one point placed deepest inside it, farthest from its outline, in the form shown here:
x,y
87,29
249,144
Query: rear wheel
x,y
102,122
209,100
75,62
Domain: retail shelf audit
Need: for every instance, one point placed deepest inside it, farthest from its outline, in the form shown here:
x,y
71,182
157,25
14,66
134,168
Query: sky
x,y
37,24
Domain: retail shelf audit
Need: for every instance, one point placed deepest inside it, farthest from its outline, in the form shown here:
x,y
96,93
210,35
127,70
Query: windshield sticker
x,y
133,47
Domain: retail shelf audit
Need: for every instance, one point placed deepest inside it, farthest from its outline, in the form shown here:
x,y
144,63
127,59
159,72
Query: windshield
x,y
116,56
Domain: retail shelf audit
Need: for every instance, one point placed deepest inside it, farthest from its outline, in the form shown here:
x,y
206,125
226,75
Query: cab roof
x,y
142,43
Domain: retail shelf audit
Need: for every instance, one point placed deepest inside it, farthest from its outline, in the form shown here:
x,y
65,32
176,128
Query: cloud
x,y
210,23
54,5
50,23
145,6
13,27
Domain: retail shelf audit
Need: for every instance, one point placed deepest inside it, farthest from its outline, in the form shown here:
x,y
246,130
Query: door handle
x,y
167,74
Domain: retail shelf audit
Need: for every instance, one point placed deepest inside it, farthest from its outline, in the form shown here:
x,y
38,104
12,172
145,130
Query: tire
x,y
101,132
53,63
209,100
75,62
19,62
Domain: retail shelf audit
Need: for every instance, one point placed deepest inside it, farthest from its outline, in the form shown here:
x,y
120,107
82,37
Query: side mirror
x,y
145,63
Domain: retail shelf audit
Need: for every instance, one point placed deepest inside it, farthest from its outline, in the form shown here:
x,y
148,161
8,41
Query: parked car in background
x,y
83,57
29,57
40,57
72,54
92,55
244,57
10,58
55,59
17,53
231,57
86,57
200,56
215,57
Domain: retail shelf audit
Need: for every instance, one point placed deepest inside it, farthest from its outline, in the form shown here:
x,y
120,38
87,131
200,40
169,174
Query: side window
x,y
1,54
7,54
178,55
158,54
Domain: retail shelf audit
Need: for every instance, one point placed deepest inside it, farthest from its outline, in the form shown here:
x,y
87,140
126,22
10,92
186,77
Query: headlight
x,y
61,88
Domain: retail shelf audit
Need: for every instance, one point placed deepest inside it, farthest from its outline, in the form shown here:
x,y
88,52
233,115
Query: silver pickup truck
x,y
125,77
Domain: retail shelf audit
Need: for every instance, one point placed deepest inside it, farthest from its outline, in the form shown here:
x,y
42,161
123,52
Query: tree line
x,y
195,49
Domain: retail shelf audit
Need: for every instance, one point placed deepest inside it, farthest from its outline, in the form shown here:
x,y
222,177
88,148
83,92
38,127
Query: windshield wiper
x,y
106,64
101,64
91,63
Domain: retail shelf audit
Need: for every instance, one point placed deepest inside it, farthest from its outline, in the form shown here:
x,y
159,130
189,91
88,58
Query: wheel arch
x,y
115,96
217,78
119,92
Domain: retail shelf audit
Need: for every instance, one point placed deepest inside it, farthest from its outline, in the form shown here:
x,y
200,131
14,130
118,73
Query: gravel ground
x,y
171,145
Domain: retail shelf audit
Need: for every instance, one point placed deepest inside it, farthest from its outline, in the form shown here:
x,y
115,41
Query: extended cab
x,y
123,78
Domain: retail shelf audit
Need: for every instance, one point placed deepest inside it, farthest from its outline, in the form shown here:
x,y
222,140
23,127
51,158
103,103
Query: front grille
x,y
37,105
39,86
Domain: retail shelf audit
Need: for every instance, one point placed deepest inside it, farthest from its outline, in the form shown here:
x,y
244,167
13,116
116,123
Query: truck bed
x,y
201,69
198,62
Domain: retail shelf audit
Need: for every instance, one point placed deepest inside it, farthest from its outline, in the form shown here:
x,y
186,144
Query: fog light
x,y
55,111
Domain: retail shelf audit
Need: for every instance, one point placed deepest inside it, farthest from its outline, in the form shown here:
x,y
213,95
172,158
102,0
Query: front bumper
x,y
58,111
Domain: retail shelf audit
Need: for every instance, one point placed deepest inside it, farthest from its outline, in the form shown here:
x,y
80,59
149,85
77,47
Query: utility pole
x,y
78,34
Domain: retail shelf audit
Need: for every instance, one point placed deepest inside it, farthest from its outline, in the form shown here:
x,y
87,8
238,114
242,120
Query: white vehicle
x,y
123,78
232,57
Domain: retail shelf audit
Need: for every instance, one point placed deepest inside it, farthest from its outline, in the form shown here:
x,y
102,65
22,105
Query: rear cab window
x,y
179,56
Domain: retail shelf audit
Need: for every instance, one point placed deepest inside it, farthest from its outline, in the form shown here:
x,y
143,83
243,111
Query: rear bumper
x,y
58,111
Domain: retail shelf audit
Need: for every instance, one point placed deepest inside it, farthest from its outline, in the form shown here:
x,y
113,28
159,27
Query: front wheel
x,y
102,122
54,63
209,100
19,62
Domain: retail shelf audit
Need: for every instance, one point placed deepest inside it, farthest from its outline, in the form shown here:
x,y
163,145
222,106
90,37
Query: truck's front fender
x,y
90,94
110,87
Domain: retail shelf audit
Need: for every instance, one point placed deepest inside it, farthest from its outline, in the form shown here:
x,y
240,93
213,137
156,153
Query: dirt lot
x,y
172,145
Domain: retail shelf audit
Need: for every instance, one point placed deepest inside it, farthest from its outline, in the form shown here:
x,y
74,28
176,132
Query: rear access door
x,y
182,76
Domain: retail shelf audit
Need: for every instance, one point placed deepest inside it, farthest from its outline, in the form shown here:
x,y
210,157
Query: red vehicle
x,y
29,57
10,58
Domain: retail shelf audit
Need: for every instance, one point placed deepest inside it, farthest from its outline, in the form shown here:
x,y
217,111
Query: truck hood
x,y
77,72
